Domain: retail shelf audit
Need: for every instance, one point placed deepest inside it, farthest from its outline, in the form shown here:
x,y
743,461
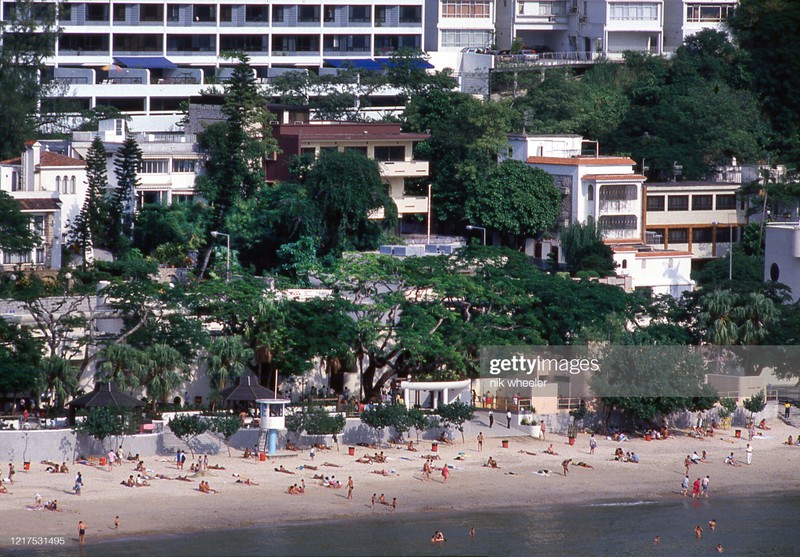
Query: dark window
x,y
774,272
226,12
380,14
410,14
723,234
96,12
655,203
330,14
325,150
702,202
678,235
362,150
702,235
120,12
136,43
278,13
591,193
617,222
259,13
204,13
64,12
359,14
173,12
151,12
678,203
308,152
308,14
395,153
726,202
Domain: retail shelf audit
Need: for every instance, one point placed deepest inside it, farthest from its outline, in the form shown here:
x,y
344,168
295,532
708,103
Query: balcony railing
x,y
404,168
406,205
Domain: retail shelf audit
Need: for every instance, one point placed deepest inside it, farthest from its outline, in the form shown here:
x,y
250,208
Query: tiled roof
x,y
46,204
664,254
17,160
582,161
49,158
637,177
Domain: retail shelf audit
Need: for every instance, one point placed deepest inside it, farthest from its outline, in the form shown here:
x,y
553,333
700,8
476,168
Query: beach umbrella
x,y
109,67
108,395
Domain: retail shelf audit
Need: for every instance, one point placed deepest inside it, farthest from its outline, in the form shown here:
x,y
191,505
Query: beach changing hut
x,y
430,394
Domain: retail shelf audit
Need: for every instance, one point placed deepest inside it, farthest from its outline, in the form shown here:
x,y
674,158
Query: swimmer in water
x,y
712,524
698,532
657,540
719,548
472,532
438,537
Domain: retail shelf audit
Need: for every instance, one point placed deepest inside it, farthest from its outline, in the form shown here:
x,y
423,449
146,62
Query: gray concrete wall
x,y
63,445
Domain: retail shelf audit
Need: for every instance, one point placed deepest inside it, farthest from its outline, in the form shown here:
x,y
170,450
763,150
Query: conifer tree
x,y
90,226
127,164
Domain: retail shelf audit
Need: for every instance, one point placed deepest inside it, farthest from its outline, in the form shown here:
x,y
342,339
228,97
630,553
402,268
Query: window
x,y
226,13
40,256
308,14
774,272
639,11
15,182
259,13
617,222
153,13
155,166
64,12
330,14
410,14
362,150
58,184
308,152
702,235
655,203
71,184
278,13
591,192
723,234
96,12
726,202
624,263
325,150
120,12
173,12
395,153
12,258
466,37
359,14
380,14
678,235
702,202
678,203
204,13
183,165
38,224
467,8
708,12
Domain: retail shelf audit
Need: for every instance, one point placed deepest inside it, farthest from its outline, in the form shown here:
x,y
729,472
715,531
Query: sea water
x,y
762,526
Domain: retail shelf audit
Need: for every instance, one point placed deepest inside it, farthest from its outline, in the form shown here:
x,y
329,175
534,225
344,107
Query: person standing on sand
x,y
685,485
394,504
749,452
704,486
81,531
592,444
696,489
508,417
349,487
480,441
544,431
491,419
11,472
787,406
445,473
312,453
116,522
565,466
373,500
687,462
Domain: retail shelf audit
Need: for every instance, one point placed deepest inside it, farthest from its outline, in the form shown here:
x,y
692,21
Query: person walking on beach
x,y
445,473
685,485
687,462
696,489
565,466
81,531
508,417
480,441
394,504
749,452
312,453
491,419
592,444
787,406
704,485
183,459
374,496
349,487
116,522
11,472
78,484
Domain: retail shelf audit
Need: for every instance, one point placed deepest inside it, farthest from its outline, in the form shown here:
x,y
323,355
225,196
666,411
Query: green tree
x,y
122,364
166,370
89,227
28,38
455,414
347,188
20,359
102,423
170,233
754,404
584,249
227,426
379,417
514,199
188,427
227,357
60,380
127,164
16,234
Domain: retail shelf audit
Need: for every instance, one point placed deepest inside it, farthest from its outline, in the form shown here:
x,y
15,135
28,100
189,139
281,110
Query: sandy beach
x,y
176,506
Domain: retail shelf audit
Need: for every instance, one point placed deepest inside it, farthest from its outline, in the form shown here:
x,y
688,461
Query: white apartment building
x,y
782,255
683,18
50,187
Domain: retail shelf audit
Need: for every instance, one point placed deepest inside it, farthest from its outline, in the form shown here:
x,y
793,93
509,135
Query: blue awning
x,y
358,64
147,62
416,63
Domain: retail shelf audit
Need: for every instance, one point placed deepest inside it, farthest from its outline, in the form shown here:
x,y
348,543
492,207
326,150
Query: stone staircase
x,y
794,418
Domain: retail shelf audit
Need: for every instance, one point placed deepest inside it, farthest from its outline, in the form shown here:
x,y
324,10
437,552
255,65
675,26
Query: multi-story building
x,y
782,255
50,187
386,143
683,18
703,218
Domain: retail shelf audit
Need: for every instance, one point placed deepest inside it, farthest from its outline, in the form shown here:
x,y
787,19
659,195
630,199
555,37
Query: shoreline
x,y
176,508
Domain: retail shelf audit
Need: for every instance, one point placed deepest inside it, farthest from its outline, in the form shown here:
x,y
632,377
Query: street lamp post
x,y
227,253
482,229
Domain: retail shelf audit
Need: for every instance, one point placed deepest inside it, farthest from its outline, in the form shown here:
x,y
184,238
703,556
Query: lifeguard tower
x,y
273,418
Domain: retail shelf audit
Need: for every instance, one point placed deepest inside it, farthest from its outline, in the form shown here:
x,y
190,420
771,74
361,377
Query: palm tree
x,y
122,364
61,379
755,317
226,359
718,319
166,371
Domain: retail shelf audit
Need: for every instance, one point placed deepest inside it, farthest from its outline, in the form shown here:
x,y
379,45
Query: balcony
x,y
404,169
409,205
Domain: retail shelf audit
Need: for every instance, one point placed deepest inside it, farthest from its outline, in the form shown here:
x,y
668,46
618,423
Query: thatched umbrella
x,y
246,389
104,395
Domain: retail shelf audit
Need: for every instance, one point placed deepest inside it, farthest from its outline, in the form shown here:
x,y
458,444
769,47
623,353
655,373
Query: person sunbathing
x,y
789,441
583,465
527,453
444,439
763,424
140,467
382,500
129,482
331,465
411,446
550,450
63,469
491,463
246,481
216,467
183,478
384,472
366,459
291,446
430,457
51,505
284,470
247,453
292,490
3,489
205,488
